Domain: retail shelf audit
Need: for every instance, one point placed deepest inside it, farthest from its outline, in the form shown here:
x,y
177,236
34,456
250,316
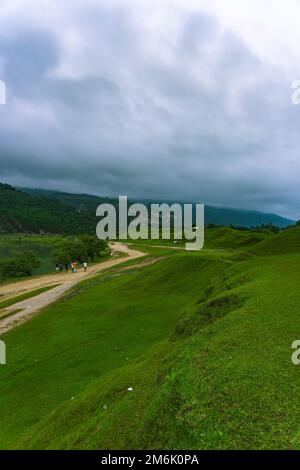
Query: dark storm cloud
x,y
102,106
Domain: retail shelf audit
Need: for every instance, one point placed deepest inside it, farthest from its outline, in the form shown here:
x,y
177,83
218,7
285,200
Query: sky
x,y
183,100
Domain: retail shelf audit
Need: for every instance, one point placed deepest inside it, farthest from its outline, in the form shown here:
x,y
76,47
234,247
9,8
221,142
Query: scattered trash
x,y
105,407
130,389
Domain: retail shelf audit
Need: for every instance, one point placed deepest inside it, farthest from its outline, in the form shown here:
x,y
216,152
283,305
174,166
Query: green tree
x,y
85,248
93,246
22,263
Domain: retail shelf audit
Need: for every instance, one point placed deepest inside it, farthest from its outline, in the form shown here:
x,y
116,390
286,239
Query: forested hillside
x,y
22,213
221,216
25,210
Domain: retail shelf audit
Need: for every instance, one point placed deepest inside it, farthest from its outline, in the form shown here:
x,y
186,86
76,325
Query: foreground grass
x,y
235,386
98,328
203,339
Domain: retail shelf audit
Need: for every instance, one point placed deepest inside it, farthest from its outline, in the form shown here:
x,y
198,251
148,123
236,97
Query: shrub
x,y
22,263
87,247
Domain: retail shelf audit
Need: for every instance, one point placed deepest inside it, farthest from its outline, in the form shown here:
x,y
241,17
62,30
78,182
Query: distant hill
x,y
37,211
243,218
82,202
213,215
21,212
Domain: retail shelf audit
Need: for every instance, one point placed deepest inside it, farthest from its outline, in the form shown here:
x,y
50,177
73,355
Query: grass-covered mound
x,y
103,325
228,238
234,386
203,340
286,242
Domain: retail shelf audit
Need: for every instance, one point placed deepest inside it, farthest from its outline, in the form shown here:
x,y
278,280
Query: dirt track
x,y
30,307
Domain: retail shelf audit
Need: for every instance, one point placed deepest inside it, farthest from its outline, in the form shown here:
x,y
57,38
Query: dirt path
x,y
30,307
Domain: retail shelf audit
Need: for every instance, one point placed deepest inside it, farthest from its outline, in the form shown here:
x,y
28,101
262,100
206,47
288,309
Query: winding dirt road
x,y
26,309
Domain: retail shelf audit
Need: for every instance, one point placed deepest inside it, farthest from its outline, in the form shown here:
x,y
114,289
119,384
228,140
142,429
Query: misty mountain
x,y
213,214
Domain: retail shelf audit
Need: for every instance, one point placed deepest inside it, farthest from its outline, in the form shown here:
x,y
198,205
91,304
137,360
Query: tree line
x,y
24,263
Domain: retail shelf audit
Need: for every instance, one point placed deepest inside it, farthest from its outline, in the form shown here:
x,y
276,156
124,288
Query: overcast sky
x,y
165,99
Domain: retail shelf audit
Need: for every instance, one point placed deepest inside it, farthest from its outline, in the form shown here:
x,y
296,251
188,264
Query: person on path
x,y
85,266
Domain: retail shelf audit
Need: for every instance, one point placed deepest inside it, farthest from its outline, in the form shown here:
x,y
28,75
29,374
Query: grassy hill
x,y
193,351
286,242
204,340
229,238
113,323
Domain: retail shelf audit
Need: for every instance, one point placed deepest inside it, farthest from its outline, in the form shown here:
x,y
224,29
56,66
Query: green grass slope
x,y
286,242
103,325
203,339
233,239
235,386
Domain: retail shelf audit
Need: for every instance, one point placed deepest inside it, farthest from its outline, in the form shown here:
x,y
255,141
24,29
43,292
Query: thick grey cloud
x,y
163,102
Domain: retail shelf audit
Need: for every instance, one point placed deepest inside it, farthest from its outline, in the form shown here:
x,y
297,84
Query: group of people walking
x,y
73,265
